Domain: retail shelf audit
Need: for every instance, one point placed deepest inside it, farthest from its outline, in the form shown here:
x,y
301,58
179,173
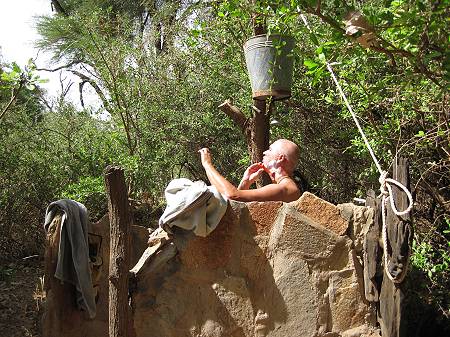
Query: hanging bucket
x,y
269,63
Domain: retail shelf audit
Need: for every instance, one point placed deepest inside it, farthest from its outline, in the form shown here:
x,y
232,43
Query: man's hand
x,y
251,174
205,156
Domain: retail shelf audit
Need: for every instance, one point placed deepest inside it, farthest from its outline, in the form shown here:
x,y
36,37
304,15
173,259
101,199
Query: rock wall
x,y
269,269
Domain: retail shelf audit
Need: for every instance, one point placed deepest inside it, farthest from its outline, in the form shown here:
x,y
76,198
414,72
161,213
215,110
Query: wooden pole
x,y
260,126
372,254
259,136
120,223
392,316
256,129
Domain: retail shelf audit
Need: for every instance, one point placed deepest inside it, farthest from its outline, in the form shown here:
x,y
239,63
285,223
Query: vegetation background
x,y
161,68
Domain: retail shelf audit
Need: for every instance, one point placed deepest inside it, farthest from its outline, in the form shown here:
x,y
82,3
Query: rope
x,y
385,182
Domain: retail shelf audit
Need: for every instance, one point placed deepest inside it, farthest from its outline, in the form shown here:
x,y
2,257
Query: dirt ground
x,y
21,298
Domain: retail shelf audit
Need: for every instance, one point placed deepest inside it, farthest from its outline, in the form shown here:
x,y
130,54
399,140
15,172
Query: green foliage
x,y
435,262
12,75
161,69
89,191
433,259
42,158
17,84
431,256
6,272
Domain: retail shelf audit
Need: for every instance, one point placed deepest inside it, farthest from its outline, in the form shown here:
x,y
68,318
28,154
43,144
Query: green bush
x,y
89,191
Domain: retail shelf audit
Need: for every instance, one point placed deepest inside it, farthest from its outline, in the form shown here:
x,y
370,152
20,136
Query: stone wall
x,y
269,269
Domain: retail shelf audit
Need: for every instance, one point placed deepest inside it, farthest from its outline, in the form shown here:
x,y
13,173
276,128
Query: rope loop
x,y
386,192
390,181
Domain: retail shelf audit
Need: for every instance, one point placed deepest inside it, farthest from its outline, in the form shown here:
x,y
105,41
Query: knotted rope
x,y
386,192
385,182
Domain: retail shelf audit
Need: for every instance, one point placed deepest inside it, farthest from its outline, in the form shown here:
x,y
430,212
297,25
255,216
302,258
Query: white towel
x,y
193,206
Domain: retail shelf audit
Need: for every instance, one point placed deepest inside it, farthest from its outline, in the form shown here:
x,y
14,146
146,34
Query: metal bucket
x,y
269,63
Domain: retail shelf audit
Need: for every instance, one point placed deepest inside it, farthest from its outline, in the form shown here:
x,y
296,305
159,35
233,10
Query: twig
x,y
68,65
13,97
29,257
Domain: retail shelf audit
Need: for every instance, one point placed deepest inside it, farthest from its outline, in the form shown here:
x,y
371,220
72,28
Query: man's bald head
x,y
290,150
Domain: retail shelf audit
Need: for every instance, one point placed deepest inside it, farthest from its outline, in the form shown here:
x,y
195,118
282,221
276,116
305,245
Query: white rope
x,y
386,192
385,183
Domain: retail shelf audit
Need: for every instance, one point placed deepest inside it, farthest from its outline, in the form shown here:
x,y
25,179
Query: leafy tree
x,y
46,155
162,68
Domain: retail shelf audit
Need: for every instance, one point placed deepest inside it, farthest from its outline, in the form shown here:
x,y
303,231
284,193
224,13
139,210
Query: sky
x,y
17,35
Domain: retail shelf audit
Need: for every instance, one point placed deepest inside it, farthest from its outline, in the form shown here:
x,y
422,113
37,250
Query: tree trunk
x,y
259,136
260,126
120,223
256,128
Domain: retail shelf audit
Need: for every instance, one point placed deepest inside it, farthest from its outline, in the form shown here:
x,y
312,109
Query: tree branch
x,y
58,8
239,119
419,66
14,96
235,114
437,196
319,3
61,67
80,89
258,24
97,89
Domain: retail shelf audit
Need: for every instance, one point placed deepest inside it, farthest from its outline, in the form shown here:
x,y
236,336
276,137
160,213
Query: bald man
x,y
279,161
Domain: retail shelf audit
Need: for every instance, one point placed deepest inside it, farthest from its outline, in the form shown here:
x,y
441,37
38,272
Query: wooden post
x,y
259,135
120,223
256,129
399,233
372,254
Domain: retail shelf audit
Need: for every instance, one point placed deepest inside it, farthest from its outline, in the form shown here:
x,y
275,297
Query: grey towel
x,y
192,206
73,253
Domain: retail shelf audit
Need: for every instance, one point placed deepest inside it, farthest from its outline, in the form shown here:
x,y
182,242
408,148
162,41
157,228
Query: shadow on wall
x,y
221,285
268,304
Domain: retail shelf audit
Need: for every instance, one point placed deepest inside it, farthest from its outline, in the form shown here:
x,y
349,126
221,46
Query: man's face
x,y
272,153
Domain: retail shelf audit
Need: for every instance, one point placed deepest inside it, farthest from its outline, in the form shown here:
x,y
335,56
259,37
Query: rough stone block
x,y
295,312
263,215
233,294
346,303
322,212
307,239
213,251
346,210
362,331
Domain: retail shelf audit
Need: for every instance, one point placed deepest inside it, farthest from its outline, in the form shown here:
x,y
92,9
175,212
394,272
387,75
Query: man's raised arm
x,y
284,191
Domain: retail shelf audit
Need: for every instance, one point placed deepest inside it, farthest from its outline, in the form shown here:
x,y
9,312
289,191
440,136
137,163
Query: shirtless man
x,y
279,162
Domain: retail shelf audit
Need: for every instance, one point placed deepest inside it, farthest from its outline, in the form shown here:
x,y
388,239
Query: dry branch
x,y
235,114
